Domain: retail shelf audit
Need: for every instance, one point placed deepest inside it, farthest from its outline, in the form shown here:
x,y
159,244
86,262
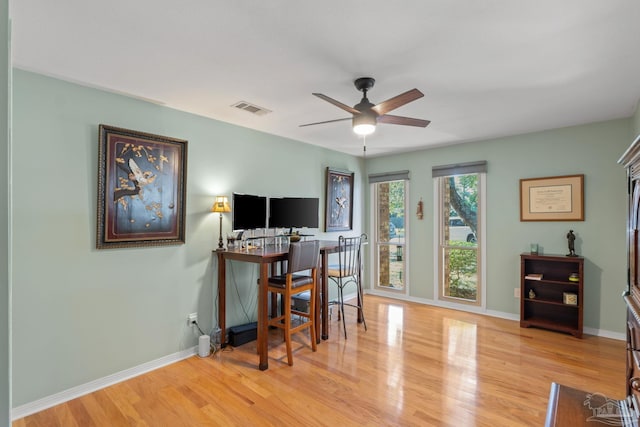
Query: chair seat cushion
x,y
296,280
334,271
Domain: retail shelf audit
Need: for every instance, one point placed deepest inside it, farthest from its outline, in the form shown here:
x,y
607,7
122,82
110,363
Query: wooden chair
x,y
348,271
301,276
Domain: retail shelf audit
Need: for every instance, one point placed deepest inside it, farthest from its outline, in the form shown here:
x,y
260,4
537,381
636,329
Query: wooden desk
x,y
572,407
265,256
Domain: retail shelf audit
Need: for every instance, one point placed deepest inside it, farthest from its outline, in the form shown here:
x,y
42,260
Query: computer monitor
x,y
249,212
290,212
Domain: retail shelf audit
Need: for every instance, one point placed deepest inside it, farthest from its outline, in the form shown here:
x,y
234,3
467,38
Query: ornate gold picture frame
x,y
141,189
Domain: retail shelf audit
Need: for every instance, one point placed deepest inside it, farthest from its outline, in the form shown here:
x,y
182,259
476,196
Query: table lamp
x,y
221,205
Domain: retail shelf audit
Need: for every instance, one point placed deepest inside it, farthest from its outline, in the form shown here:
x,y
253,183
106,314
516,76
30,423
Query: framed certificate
x,y
557,198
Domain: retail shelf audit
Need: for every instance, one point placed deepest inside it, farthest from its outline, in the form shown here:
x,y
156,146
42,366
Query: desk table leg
x,y
222,301
324,297
317,318
263,308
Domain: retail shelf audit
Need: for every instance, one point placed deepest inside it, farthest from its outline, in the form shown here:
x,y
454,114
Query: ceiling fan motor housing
x,y
364,106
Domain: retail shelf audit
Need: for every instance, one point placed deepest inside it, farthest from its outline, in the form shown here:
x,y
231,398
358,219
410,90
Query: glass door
x,y
390,232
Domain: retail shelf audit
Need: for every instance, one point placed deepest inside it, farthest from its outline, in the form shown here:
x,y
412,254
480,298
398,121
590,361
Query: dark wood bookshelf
x,y
549,309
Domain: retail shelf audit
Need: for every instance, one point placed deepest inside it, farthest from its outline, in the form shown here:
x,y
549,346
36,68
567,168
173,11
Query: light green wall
x,y
81,314
592,150
5,301
636,120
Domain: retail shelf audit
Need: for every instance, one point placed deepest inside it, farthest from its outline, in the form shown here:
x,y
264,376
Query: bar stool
x,y
303,258
348,271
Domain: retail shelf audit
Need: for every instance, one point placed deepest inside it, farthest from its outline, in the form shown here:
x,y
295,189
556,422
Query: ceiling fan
x,y
366,115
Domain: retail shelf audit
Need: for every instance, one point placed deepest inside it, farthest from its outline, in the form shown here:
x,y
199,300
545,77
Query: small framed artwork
x,y
141,189
339,209
556,198
569,298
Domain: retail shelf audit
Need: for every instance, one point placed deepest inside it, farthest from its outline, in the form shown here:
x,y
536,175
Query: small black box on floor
x,y
301,301
243,334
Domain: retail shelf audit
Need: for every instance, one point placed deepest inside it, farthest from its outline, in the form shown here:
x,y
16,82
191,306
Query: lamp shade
x,y
221,205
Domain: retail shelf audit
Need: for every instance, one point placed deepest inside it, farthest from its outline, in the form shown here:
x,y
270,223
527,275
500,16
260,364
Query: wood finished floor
x,y
417,365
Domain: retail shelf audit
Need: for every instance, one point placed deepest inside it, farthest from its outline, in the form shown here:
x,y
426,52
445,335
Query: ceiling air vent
x,y
254,109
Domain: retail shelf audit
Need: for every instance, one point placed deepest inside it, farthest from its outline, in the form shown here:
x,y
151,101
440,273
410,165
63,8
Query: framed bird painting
x,y
141,189
339,212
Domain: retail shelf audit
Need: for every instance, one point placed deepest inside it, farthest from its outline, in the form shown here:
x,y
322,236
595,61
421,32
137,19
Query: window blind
x,y
388,176
459,169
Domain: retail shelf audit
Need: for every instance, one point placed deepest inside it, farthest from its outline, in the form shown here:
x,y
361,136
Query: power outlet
x,y
516,292
192,319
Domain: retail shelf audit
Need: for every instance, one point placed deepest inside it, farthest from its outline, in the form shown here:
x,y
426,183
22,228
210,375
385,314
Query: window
x,y
459,206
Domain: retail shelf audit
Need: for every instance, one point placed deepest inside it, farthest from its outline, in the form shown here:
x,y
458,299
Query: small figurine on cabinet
x,y
571,238
532,295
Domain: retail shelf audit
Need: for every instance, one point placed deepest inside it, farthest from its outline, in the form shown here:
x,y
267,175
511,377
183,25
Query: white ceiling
x,y
488,68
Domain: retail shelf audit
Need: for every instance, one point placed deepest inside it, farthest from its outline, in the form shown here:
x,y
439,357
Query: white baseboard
x,y
492,313
606,334
75,392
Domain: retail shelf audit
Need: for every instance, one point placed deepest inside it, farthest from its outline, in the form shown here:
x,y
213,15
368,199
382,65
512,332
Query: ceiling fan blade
x,y
337,103
397,101
399,120
328,121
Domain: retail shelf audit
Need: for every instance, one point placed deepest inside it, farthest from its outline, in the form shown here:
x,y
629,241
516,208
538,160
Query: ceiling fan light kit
x,y
364,124
366,115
